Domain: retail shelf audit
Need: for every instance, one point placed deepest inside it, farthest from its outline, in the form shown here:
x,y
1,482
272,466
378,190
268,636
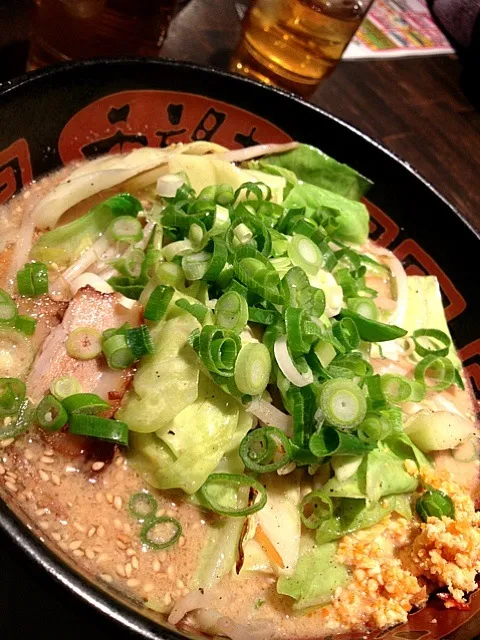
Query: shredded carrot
x,y
272,553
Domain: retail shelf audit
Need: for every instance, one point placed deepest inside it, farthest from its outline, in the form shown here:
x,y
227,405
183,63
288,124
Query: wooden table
x,y
413,106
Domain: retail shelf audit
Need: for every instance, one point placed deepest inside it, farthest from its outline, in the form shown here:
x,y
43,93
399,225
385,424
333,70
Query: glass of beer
x,y
294,44
73,29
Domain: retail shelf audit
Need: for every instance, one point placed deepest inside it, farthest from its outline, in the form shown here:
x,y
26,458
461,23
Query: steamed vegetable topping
x,y
286,374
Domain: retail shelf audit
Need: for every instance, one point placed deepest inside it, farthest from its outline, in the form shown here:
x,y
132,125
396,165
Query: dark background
x,y
415,107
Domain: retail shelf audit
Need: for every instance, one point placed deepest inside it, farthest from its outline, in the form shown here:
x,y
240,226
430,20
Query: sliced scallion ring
x,y
395,388
117,351
434,335
65,386
26,325
231,311
8,309
305,254
435,372
93,426
365,307
13,426
165,539
264,450
237,482
50,414
158,302
142,506
315,508
84,343
12,395
126,229
252,368
343,403
84,403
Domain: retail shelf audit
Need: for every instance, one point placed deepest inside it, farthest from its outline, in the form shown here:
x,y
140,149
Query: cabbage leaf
x,y
315,167
316,577
353,217
167,381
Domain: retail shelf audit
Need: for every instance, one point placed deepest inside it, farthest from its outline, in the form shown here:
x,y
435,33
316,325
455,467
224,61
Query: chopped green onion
x,y
436,369
32,280
158,302
342,402
395,388
170,274
8,309
198,310
262,316
264,450
257,273
218,349
65,386
305,254
195,265
26,325
371,330
233,481
84,343
143,506
329,441
434,334
365,307
50,414
315,508
87,425
434,503
375,392
12,395
148,529
129,287
117,352
178,249
252,368
13,427
373,428
325,352
126,229
253,189
347,334
131,264
139,341
84,403
218,260
298,292
231,312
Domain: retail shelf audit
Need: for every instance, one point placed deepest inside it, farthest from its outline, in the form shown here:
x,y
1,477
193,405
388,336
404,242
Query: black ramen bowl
x,y
74,111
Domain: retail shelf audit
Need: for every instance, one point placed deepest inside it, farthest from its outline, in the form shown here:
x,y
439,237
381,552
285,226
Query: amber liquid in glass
x,y
75,29
296,43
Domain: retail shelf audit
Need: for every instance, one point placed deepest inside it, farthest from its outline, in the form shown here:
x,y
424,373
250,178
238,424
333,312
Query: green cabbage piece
x,y
315,167
189,447
316,577
167,381
353,217
386,475
353,514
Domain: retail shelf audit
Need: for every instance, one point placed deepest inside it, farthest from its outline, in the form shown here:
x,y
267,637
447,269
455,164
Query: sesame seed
x,y
109,497
11,486
124,538
43,525
121,545
47,460
56,536
135,563
133,582
56,479
130,552
29,455
127,528
2,469
162,556
63,545
106,577
41,512
78,553
102,557
180,584
156,566
160,513
79,527
91,532
48,452
128,570
119,461
148,587
96,466
181,541
44,475
89,553
75,544
11,476
101,531
170,572
167,599
170,513
118,503
120,570
117,524
6,443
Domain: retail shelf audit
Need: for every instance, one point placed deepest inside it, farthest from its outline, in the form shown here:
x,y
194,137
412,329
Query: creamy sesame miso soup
x,y
220,397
